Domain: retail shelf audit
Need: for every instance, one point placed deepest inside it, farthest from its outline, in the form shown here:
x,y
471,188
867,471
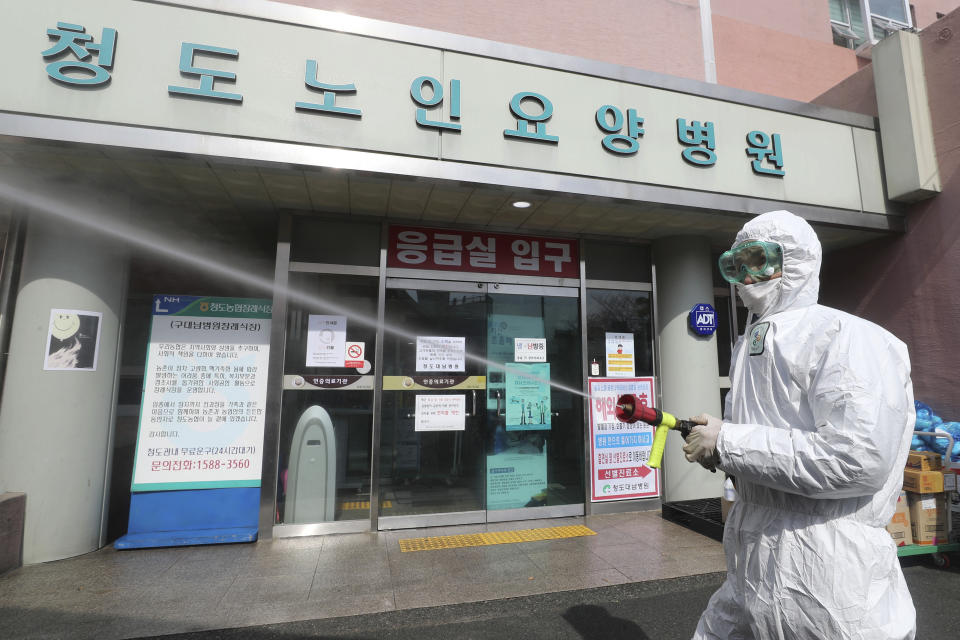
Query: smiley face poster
x,y
73,340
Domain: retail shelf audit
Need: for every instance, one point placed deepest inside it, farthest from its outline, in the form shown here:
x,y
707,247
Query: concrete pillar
x,y
688,363
56,426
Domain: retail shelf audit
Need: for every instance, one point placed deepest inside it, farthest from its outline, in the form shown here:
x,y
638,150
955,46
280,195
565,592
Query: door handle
x,y
473,402
500,413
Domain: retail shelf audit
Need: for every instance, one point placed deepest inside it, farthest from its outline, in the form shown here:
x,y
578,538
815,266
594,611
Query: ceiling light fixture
x,y
521,204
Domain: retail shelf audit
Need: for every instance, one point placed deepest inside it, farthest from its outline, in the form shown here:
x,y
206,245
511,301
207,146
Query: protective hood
x,y
802,255
816,430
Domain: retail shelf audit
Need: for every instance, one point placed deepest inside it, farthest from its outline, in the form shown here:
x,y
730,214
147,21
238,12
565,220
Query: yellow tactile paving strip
x,y
363,504
494,537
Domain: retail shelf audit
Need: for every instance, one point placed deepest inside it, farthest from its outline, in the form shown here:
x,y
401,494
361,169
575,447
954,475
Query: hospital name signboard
x,y
230,75
620,130
480,252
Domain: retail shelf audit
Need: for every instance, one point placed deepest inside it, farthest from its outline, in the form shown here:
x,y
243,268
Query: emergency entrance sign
x,y
619,452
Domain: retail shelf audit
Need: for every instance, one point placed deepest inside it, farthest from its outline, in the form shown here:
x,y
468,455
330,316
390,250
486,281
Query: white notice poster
x,y
326,340
440,413
204,394
438,353
529,350
620,362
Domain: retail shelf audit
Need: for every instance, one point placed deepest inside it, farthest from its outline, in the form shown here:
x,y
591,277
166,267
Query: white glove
x,y
701,444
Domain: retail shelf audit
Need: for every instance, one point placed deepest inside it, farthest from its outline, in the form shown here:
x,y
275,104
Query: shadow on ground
x,y
661,609
593,622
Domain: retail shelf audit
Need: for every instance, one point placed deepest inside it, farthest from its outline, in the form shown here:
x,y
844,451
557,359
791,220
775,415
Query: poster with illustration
x,y
528,396
620,360
73,340
511,316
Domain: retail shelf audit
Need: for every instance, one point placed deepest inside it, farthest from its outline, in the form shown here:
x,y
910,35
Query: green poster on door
x,y
528,396
517,477
523,321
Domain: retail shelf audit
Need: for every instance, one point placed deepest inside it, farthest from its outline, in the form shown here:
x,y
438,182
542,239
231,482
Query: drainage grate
x,y
702,516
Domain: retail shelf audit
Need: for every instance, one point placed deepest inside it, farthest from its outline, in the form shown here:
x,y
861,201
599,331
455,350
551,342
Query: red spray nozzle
x,y
630,409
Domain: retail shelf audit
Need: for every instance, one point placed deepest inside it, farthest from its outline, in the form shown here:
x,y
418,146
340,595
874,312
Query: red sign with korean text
x,y
480,252
620,452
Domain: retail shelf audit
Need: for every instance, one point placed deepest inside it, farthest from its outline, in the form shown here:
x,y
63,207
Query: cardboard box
x,y
924,461
899,527
954,500
922,481
928,518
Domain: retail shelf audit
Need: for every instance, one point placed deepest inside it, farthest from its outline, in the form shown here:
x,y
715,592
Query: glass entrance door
x,y
432,465
481,415
534,453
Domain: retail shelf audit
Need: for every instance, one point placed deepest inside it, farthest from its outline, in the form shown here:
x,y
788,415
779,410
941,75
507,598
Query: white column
x,y
706,40
56,426
689,375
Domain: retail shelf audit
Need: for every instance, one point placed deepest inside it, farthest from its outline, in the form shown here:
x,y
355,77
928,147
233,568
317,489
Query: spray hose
x,y
631,409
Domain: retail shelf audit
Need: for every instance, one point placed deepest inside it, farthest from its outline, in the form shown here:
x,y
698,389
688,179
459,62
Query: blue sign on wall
x,y
703,319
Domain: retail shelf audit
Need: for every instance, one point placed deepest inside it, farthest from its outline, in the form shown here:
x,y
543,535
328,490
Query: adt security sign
x,y
703,319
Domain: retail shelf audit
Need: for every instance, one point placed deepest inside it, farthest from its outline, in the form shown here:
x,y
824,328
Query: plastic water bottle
x,y
729,491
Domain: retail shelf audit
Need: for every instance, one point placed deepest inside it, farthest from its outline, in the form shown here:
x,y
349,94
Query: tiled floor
x,y
110,594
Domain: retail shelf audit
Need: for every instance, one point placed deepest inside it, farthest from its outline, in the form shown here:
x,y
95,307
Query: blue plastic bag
x,y
953,428
928,420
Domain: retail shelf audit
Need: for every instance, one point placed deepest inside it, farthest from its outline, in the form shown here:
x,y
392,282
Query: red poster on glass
x,y
480,252
619,452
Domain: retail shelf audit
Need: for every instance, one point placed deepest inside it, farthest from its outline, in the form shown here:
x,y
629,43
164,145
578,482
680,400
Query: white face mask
x,y
760,297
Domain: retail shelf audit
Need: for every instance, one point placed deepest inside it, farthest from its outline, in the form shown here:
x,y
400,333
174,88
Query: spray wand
x,y
630,409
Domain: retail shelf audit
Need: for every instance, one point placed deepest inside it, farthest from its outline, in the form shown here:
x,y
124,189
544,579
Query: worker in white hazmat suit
x,y
816,430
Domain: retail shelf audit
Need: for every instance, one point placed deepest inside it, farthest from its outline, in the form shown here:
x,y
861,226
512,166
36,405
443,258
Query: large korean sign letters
x,y
479,252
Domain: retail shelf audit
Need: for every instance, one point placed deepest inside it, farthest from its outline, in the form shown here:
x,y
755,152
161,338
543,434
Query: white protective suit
x,y
816,430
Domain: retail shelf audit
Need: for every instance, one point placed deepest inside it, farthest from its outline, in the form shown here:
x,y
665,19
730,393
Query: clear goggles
x,y
756,258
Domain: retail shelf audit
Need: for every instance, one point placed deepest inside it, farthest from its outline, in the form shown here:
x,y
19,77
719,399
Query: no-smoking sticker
x,y
353,356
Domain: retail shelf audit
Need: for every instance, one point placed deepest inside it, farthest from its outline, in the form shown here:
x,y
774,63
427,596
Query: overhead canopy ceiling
x,y
226,201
